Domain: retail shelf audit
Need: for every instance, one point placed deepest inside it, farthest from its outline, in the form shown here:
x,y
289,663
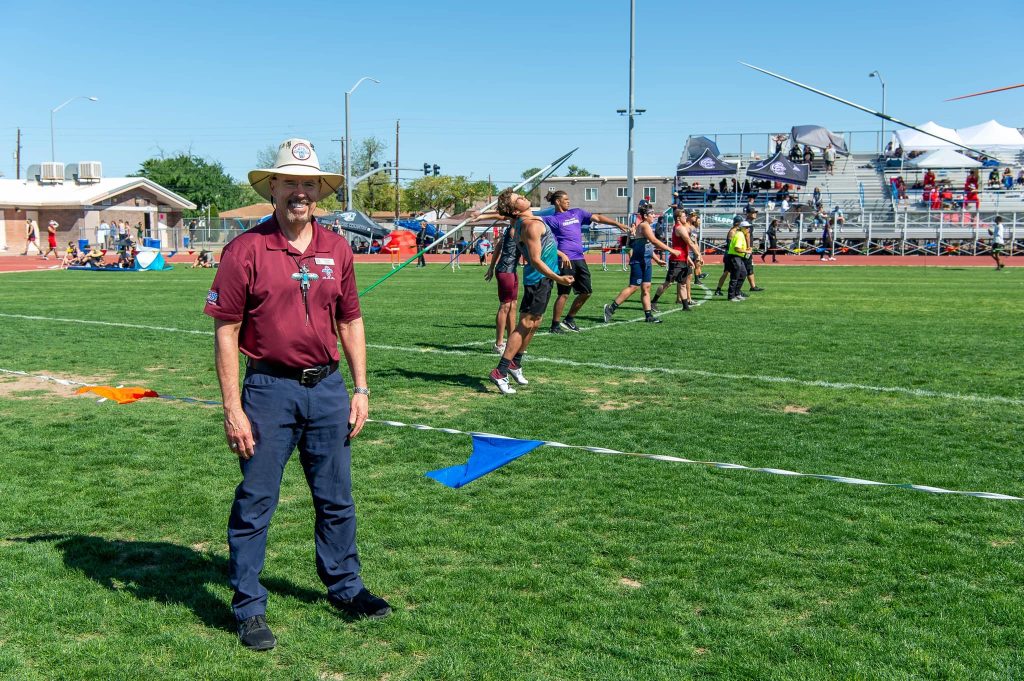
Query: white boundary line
x,y
761,378
604,450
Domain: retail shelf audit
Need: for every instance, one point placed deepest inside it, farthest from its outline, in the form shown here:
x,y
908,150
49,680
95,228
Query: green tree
x,y
266,157
376,192
202,182
528,172
578,171
445,194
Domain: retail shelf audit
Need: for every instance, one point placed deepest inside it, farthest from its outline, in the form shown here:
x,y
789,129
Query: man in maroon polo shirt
x,y
284,295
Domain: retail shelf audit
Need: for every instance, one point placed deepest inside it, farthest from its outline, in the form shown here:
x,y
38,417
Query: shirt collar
x,y
276,241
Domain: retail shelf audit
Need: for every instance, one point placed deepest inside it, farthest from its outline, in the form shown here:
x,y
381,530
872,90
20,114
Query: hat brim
x,y
260,179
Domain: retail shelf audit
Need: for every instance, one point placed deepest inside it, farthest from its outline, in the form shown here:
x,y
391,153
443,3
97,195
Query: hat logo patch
x,y
301,152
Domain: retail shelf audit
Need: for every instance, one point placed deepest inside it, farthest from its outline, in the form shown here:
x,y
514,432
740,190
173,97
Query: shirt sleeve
x,y
230,288
585,217
347,308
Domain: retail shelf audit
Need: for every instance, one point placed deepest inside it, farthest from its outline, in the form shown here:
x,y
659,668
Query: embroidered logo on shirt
x,y
324,261
211,297
328,272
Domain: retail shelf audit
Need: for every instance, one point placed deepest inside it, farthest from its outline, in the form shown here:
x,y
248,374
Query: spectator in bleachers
x,y
783,194
723,186
1007,178
1020,177
794,153
888,150
837,215
746,186
929,179
993,178
808,154
712,193
830,159
732,186
816,198
750,205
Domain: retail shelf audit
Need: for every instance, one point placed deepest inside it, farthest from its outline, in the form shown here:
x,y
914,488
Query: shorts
x,y
748,263
535,297
508,287
640,271
581,278
52,241
678,271
997,248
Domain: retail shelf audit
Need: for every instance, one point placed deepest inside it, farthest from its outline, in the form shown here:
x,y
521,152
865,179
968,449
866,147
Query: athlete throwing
x,y
641,267
567,226
537,244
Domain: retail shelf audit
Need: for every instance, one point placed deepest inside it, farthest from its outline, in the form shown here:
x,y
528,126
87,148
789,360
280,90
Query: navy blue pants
x,y
285,415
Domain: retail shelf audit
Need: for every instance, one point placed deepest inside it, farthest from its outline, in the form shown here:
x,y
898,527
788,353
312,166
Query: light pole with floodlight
x,y
53,154
348,145
881,142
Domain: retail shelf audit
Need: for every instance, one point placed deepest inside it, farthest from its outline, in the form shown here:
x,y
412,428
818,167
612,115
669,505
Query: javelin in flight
x,y
861,108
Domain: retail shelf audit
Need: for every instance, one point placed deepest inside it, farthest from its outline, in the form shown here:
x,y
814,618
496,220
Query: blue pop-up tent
x,y
778,168
707,164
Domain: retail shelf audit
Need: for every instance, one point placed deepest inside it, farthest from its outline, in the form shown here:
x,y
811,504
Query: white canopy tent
x,y
944,158
991,135
913,140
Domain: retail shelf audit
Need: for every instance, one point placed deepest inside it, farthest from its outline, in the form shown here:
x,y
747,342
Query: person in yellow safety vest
x,y
735,257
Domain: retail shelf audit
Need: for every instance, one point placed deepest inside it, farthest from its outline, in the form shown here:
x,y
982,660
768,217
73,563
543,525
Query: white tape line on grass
x,y
761,378
604,450
716,464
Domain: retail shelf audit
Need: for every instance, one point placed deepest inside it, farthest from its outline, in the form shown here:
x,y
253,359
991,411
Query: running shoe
x,y
654,308
608,312
686,306
653,320
502,383
702,276
499,348
734,299
756,288
517,373
718,292
832,259
556,328
569,326
742,296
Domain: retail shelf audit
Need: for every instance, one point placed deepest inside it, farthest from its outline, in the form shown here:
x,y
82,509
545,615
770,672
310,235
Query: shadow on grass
x,y
161,572
477,383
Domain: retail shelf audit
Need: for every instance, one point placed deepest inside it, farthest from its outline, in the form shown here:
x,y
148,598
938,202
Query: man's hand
x,y
359,409
238,431
565,280
489,274
563,259
676,253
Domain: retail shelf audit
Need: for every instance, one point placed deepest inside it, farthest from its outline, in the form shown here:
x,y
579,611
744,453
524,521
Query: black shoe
x,y
570,325
654,307
254,634
652,320
717,292
686,306
364,604
756,288
556,329
701,276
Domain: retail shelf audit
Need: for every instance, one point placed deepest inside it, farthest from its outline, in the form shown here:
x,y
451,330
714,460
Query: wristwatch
x,y
361,391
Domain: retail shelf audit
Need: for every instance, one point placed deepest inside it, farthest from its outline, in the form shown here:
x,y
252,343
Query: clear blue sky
x,y
481,88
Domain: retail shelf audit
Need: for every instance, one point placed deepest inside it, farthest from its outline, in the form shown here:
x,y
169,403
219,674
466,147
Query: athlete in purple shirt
x,y
567,226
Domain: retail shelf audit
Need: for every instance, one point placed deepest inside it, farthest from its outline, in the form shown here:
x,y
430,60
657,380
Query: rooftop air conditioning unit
x,y
90,171
52,171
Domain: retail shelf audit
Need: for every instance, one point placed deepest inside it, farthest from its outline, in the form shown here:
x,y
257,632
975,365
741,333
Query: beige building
x,y
607,194
80,199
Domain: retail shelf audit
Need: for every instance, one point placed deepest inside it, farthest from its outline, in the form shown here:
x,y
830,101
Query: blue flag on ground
x,y
489,453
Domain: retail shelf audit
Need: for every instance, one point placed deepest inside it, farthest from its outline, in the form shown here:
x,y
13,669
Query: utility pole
x,y
398,195
17,157
343,166
629,153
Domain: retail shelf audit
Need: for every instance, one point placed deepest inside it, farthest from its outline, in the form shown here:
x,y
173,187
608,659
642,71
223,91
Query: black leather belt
x,y
307,377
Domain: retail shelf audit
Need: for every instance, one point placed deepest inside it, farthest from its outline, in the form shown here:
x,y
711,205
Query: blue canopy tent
x,y
356,222
696,146
778,168
707,164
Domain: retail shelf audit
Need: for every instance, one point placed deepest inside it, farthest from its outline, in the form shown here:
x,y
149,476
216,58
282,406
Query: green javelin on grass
x,y
549,168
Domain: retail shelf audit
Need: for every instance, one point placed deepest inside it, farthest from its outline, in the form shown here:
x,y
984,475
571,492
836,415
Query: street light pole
x,y
53,154
632,71
348,145
881,142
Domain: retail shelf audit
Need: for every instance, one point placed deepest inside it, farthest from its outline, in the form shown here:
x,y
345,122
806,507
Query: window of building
x,y
620,192
650,193
590,194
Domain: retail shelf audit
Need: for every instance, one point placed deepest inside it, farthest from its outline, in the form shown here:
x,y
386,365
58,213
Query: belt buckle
x,y
310,377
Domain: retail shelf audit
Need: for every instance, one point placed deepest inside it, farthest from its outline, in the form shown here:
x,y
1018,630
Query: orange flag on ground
x,y
119,395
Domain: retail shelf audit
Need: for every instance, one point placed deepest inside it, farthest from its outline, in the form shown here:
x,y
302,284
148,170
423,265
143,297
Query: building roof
x,y
31,194
258,210
602,178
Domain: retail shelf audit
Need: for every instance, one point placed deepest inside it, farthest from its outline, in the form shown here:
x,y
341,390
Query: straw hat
x,y
295,157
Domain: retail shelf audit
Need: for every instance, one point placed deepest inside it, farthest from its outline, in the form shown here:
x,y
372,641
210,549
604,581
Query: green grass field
x,y
564,564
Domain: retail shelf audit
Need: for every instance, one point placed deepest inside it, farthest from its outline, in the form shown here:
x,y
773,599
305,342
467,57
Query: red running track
x,y
32,263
